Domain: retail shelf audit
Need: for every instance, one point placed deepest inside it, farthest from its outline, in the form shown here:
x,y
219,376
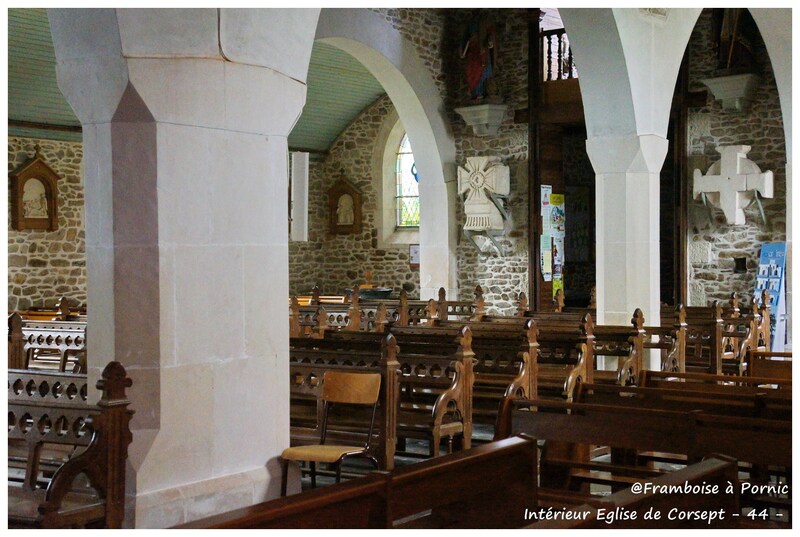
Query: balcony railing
x,y
558,62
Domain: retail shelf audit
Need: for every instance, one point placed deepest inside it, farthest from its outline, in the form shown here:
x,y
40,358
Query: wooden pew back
x,y
766,364
426,389
48,412
716,471
747,402
446,492
308,361
52,345
693,433
779,388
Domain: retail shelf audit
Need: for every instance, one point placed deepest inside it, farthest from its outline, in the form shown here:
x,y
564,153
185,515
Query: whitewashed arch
x,y
629,63
394,62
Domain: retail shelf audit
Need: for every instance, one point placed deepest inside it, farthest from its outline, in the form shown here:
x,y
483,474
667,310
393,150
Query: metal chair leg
x,y
313,474
339,472
284,476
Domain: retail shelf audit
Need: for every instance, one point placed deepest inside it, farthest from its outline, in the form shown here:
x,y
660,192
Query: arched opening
x,y
393,62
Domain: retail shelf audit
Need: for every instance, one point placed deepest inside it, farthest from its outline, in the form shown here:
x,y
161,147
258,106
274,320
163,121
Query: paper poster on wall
x,y
557,215
558,254
546,191
558,264
770,276
547,257
557,284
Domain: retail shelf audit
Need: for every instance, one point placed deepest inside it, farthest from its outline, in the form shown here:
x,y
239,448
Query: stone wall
x,y
502,277
336,262
712,246
436,34
45,265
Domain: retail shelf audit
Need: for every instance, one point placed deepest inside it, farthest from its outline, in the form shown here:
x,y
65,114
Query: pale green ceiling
x,y
33,94
339,87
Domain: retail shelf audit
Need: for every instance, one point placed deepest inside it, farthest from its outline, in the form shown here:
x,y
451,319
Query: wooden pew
x,y
435,391
503,365
762,340
63,310
16,345
704,339
781,388
460,310
732,401
670,338
718,338
564,349
694,434
54,437
623,343
430,384
357,315
402,312
308,361
50,345
716,471
561,307
765,364
453,491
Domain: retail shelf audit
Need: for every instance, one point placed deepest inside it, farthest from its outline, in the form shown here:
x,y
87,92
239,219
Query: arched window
x,y
407,182
398,189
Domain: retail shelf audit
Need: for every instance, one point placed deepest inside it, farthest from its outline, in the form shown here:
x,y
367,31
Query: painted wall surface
x,y
713,245
46,265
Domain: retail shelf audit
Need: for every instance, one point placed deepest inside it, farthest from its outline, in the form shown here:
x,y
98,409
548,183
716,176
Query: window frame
x,y
398,188
384,167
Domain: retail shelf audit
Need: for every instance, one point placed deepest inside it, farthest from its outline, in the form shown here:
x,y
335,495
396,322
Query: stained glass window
x,y
407,198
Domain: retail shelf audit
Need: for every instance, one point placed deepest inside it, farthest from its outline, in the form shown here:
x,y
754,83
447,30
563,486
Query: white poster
x,y
545,197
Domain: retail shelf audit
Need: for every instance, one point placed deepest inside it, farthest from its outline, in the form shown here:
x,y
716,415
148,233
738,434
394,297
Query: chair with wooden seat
x,y
341,389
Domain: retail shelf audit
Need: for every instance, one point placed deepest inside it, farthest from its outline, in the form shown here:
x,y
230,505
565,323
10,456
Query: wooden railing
x,y
558,62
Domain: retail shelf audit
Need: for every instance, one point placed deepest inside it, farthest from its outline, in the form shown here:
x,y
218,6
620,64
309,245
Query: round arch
x,y
394,63
630,69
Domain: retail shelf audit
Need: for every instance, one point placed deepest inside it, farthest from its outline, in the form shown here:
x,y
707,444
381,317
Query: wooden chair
x,y
337,388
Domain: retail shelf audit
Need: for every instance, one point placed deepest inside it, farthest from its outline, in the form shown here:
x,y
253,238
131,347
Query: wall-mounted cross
x,y
731,182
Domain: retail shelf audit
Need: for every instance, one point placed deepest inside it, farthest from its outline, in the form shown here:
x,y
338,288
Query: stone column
x,y
185,116
627,242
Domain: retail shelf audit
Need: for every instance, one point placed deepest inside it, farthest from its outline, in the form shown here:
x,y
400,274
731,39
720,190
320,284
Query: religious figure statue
x,y
478,48
34,199
344,210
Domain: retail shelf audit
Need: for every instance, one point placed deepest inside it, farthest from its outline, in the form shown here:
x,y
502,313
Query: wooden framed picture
x,y
413,255
34,196
344,208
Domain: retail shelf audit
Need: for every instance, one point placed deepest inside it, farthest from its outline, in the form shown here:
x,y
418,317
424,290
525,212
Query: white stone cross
x,y
731,182
482,178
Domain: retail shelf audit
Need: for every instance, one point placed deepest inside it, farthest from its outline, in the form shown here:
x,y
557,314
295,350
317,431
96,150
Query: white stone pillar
x,y
437,235
185,116
627,212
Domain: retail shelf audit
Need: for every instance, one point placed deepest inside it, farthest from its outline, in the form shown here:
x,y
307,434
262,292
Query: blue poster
x,y
771,276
